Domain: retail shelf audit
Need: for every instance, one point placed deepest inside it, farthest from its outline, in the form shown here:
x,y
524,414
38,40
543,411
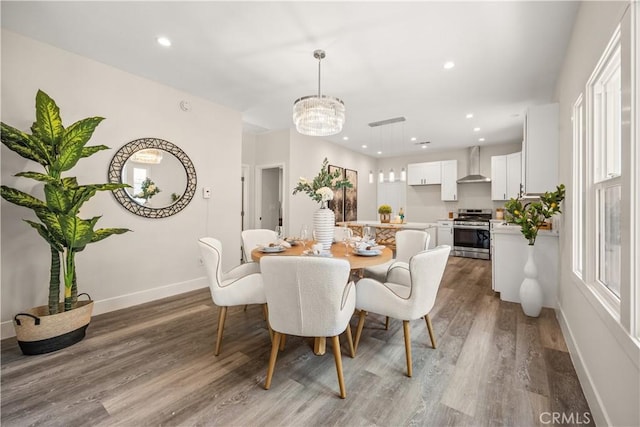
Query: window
x,y
578,199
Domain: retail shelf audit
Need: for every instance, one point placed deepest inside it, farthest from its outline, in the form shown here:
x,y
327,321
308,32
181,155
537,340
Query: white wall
x,y
424,202
606,357
160,257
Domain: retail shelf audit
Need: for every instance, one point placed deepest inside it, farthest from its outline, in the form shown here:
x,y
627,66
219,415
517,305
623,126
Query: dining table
x,y
338,250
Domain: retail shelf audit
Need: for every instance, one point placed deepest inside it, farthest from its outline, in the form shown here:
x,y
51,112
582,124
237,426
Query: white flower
x,y
303,180
151,188
326,193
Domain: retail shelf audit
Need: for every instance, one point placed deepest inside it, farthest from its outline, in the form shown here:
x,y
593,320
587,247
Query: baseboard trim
x,y
129,300
598,414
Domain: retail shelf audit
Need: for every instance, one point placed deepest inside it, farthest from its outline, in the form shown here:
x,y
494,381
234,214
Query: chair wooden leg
x,y
352,350
338,358
407,345
386,324
245,307
272,359
363,314
222,316
265,310
430,329
283,340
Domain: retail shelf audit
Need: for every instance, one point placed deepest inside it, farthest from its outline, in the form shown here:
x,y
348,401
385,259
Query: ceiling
x,y
384,59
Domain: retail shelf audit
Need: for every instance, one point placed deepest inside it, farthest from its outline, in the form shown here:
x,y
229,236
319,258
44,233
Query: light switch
x,y
206,192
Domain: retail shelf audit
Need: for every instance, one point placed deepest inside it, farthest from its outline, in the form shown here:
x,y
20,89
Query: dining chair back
x,y
396,300
308,297
252,238
241,285
408,244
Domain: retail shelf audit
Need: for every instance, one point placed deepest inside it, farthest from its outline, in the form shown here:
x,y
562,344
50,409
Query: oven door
x,y
471,241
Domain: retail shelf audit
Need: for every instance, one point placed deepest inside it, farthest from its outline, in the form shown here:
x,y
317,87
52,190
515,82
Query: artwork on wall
x,y
351,196
345,200
337,204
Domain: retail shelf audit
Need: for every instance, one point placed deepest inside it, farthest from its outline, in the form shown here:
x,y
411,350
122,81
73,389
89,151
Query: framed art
x,y
351,196
337,204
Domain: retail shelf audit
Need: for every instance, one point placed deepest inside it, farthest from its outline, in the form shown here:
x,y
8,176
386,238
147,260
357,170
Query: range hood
x,y
474,168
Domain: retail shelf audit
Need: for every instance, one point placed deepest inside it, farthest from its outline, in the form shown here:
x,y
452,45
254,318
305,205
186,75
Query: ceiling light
x,y
476,129
423,146
345,138
469,116
449,65
370,177
392,175
364,146
481,139
381,176
403,175
318,115
413,138
379,152
149,156
163,41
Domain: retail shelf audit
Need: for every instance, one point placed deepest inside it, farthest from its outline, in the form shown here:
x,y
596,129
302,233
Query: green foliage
x,y
58,149
332,181
532,215
384,209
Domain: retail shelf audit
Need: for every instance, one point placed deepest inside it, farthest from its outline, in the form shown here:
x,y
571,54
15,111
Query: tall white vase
x,y
531,296
324,221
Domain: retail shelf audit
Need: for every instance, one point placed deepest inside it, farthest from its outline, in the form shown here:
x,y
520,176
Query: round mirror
x,y
161,176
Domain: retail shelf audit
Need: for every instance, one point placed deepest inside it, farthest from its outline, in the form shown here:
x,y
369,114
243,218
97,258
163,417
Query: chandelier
x,y
318,115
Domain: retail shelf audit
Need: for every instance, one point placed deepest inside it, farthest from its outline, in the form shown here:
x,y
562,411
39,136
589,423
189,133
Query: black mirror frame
x,y
121,195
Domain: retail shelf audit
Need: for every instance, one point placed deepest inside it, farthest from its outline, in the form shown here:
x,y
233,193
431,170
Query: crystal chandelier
x,y
318,115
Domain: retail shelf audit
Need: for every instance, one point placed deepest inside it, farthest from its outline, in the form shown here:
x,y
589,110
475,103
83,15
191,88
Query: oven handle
x,y
471,227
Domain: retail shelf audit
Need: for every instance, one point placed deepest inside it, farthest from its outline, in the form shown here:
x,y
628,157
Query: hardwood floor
x,y
154,365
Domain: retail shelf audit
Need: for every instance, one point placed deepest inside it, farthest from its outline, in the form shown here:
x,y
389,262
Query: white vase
x,y
324,221
531,296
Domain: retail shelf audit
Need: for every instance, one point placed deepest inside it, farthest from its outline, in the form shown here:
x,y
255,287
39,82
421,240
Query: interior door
x,y
271,212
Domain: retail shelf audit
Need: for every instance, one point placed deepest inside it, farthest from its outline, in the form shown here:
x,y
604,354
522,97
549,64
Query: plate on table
x,y
271,249
368,252
292,241
323,254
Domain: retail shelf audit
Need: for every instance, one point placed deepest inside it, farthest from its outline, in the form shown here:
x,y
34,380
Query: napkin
x,y
284,244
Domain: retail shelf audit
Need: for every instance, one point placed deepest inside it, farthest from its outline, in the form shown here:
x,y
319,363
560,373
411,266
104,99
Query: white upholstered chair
x,y
252,238
241,285
408,243
403,302
308,297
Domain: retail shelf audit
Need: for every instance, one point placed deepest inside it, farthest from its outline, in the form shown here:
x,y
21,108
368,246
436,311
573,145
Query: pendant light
x,y
318,115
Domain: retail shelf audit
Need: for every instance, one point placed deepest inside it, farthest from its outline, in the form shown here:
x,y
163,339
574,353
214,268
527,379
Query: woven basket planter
x,y
38,332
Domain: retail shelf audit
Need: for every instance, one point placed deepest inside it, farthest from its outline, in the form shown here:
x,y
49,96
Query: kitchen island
x,y
386,231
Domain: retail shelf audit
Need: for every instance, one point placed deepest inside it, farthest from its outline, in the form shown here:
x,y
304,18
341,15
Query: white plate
x,y
368,253
324,254
271,249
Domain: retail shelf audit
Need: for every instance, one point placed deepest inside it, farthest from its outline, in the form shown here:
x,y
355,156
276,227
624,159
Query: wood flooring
x,y
153,365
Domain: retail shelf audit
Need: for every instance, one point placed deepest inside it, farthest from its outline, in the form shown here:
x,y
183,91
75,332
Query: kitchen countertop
x,y
408,225
501,227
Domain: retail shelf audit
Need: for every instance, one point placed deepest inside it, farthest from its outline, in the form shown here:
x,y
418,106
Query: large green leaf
x,y
69,182
80,195
103,233
21,143
42,177
48,126
88,151
73,141
21,198
58,198
50,220
77,232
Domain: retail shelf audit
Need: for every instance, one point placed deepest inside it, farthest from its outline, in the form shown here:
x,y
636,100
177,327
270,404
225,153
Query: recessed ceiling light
x,y
364,146
424,146
413,138
469,115
163,41
481,139
345,138
449,65
379,152
476,129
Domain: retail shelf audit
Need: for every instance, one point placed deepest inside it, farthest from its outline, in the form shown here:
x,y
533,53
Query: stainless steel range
x,y
471,236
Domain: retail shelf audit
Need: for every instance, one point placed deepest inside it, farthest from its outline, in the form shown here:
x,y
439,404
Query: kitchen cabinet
x,y
506,176
449,173
424,173
445,232
540,149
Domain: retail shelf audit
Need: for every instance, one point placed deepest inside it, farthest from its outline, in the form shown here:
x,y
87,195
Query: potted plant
x,y
57,149
531,217
385,213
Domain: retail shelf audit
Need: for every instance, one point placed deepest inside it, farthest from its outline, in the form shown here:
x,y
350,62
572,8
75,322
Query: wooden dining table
x,y
339,251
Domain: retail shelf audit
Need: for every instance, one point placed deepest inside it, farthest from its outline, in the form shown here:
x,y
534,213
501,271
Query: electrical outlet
x,y
206,192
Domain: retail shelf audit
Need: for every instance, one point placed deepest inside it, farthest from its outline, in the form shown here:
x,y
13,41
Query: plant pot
x,y
38,332
324,223
531,296
385,218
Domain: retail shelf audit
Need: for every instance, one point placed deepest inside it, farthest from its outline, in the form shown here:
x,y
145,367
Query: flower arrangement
x,y
531,216
322,186
149,189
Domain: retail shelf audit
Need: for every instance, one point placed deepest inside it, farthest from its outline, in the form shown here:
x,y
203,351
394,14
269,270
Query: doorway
x,y
269,196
